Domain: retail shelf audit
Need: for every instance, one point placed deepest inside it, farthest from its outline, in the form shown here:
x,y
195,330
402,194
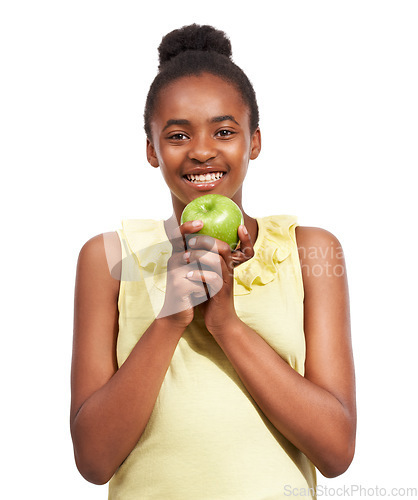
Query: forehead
x,y
201,96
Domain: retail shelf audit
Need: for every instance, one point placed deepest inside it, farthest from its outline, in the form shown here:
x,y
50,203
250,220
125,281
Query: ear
x,y
152,155
255,144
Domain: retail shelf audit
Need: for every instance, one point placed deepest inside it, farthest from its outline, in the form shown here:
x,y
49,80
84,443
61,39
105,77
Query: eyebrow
x,y
215,119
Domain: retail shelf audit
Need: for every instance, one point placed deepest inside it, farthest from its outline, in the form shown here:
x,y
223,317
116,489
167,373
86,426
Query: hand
x,y
182,294
245,249
217,263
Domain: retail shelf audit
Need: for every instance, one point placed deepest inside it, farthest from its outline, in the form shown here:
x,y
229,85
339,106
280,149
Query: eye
x,y
178,137
225,133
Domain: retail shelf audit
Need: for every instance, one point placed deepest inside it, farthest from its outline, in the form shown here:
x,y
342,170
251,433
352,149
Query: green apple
x,y
221,217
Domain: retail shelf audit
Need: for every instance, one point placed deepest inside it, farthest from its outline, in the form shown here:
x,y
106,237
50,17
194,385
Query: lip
x,y
205,186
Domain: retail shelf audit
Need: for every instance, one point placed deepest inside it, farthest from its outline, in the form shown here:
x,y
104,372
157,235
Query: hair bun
x,y
193,37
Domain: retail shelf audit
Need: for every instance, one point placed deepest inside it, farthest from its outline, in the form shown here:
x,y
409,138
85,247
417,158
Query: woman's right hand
x,y
182,294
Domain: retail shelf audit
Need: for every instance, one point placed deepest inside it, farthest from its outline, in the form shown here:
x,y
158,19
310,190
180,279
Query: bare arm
x,y
109,407
316,412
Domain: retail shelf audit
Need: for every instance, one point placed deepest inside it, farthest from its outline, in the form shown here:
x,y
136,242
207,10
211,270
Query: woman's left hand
x,y
217,262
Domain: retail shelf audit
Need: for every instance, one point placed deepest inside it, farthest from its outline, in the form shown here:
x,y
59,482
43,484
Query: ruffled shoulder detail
x,y
274,244
148,242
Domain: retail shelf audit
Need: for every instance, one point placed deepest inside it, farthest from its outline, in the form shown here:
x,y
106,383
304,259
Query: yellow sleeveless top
x,y
207,439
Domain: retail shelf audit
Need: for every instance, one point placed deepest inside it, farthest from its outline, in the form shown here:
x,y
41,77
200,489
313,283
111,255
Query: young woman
x,y
233,382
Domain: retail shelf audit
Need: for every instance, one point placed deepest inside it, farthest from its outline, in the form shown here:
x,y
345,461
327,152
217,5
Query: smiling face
x,y
200,127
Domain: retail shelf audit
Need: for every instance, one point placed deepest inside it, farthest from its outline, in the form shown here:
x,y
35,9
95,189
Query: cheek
x,y
242,152
168,157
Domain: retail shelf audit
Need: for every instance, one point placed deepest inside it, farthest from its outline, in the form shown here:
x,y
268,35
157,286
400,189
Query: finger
x,y
205,242
205,257
216,246
204,260
198,287
189,227
212,280
201,275
246,248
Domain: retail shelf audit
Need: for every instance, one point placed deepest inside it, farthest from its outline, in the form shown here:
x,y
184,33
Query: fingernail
x,y
189,274
244,229
192,241
186,255
197,223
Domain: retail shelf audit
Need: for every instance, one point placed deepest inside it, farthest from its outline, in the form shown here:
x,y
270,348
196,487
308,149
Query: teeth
x,y
209,177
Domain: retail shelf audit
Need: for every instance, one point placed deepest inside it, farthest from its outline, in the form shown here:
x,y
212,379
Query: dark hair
x,y
193,50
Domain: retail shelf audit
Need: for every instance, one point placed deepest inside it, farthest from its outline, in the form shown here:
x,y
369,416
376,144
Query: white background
x,y
337,89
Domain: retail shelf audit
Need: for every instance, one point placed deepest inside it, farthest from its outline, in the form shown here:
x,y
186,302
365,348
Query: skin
x,y
110,407
228,144
178,148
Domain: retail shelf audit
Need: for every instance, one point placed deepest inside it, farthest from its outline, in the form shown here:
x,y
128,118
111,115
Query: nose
x,y
202,149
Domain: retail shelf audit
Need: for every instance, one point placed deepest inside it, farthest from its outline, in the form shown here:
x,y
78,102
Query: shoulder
x,y
315,243
320,253
102,254
315,236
